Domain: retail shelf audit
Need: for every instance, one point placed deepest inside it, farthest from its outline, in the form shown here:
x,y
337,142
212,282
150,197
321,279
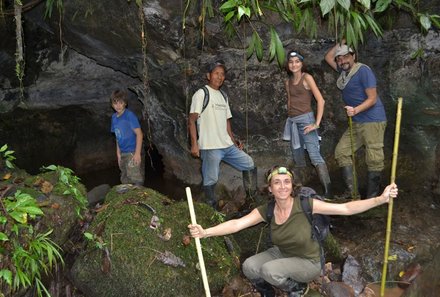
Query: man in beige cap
x,y
362,103
211,135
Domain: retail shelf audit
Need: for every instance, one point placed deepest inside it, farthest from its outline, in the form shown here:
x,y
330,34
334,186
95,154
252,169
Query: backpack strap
x,y
225,96
206,98
307,209
269,216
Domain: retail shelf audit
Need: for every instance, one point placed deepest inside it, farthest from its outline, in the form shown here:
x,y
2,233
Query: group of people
x,y
294,259
213,141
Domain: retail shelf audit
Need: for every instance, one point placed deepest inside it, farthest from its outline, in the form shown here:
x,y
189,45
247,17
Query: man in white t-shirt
x,y
211,135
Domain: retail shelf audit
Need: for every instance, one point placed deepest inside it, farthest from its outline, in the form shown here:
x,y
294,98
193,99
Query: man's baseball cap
x,y
342,50
217,63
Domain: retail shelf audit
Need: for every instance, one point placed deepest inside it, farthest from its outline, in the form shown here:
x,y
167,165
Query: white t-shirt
x,y
212,123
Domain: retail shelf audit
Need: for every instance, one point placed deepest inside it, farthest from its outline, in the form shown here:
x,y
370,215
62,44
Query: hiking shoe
x,y
299,291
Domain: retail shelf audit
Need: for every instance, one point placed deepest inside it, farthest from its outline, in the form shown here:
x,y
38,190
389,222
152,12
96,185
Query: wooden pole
x,y
354,194
198,245
390,204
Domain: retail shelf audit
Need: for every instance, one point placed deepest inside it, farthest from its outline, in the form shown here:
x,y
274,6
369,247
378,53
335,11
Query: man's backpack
x,y
320,223
206,98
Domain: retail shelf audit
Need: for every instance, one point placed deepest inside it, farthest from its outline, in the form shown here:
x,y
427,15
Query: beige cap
x,y
343,50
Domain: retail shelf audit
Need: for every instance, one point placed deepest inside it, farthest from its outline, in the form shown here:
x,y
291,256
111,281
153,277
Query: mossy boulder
x,y
127,257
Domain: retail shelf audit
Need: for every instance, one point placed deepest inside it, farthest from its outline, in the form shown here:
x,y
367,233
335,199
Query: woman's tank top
x,y
300,98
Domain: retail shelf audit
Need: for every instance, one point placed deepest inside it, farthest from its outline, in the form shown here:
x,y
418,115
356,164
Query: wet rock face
x,y
102,51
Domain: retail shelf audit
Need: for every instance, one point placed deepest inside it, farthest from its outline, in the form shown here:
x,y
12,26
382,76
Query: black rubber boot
x,y
374,178
265,289
324,178
210,196
347,174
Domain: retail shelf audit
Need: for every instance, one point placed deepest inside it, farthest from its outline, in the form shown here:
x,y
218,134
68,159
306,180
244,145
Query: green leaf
x,y
365,3
6,274
3,237
51,167
229,16
228,5
7,153
19,216
373,25
9,164
345,4
272,46
251,47
435,20
3,148
280,52
425,22
326,6
241,11
32,210
88,235
382,5
258,47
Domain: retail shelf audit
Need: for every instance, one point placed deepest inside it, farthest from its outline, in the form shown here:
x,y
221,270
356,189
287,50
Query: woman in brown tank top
x,y
301,125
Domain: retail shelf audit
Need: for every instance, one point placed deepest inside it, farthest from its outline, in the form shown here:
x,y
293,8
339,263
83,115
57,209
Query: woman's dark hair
x,y
292,54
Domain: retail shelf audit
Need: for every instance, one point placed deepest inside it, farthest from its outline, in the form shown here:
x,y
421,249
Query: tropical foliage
x,y
70,182
349,20
7,156
26,256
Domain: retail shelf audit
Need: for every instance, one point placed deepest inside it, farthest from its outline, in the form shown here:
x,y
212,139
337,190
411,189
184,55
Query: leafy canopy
x,y
349,20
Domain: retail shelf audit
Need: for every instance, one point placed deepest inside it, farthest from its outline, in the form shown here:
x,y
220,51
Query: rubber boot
x,y
374,178
347,174
265,289
210,196
324,178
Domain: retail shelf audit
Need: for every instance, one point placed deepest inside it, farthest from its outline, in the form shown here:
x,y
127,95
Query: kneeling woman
x,y
294,259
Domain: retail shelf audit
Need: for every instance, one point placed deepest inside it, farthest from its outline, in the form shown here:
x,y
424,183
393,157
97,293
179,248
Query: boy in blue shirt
x,y
129,139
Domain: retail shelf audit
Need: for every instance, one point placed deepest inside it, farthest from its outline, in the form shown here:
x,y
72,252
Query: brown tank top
x,y
300,98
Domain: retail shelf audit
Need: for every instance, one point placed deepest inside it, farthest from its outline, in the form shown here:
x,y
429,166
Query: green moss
x,y
332,249
134,247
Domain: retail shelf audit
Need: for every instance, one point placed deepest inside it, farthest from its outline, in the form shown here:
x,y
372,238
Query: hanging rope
x,y
390,203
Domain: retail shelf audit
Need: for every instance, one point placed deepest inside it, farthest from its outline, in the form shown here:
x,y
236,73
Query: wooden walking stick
x,y
354,194
390,203
198,245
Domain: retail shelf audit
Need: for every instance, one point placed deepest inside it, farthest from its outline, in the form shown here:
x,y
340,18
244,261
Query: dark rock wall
x,y
102,51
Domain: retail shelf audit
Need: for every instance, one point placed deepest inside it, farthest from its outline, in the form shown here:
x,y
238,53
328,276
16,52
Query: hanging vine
x,y
145,80
19,52
48,13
